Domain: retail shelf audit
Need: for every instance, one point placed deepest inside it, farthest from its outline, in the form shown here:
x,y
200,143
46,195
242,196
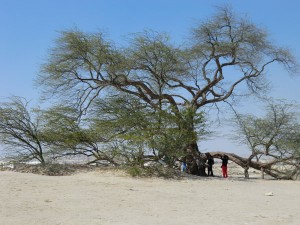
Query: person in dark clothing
x,y
210,163
224,159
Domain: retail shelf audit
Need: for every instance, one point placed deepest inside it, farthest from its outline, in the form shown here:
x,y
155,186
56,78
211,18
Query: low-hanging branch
x,y
266,167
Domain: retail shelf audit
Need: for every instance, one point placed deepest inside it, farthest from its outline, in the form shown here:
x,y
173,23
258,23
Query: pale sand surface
x,y
108,197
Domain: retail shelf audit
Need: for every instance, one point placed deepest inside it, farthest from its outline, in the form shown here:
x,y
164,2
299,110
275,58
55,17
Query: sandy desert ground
x,y
110,197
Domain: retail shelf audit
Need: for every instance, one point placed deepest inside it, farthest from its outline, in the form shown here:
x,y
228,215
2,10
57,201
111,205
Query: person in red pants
x,y
224,159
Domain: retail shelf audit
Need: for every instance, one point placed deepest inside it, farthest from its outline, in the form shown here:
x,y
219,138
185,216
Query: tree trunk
x,y
39,156
195,160
246,173
262,173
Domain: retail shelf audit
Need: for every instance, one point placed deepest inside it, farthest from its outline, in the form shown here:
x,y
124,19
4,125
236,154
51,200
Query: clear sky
x,y
29,27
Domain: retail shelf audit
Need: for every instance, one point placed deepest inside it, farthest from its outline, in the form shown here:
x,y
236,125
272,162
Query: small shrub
x,y
135,171
48,169
57,169
153,171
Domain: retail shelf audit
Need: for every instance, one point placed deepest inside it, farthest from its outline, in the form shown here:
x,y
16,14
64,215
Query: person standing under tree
x,y
210,163
224,159
183,167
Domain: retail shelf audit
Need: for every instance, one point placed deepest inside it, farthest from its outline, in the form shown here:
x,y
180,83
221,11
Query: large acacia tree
x,y
223,53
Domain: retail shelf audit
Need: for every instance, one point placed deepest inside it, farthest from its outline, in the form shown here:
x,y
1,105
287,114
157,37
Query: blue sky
x,y
28,29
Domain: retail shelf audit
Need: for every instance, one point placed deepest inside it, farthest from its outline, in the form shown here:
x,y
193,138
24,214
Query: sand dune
x,y
108,197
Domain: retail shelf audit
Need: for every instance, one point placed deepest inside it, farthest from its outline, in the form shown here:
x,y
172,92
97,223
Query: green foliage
x,y
68,135
155,60
134,171
144,131
276,133
20,131
274,138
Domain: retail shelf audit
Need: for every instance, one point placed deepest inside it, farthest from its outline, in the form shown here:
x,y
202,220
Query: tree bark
x,y
262,173
195,160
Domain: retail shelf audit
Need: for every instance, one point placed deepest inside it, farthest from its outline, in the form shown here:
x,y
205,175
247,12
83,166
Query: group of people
x,y
211,162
